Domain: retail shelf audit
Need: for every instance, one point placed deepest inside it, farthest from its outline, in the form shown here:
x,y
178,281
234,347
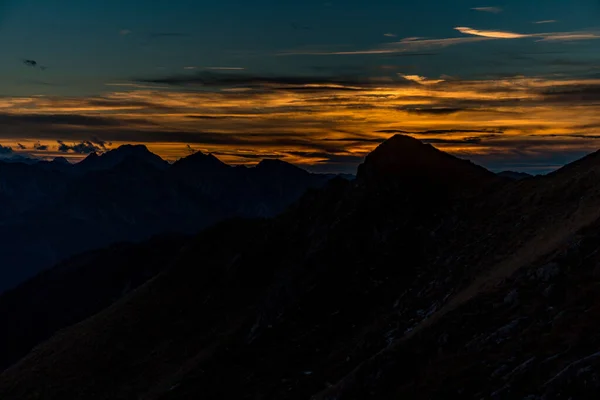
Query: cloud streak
x,y
85,147
490,34
552,36
40,147
302,118
33,64
225,68
421,80
472,35
219,79
567,37
493,10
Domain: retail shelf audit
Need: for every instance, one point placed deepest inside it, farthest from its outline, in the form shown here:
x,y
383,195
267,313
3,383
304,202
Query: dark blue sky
x,y
90,51
84,44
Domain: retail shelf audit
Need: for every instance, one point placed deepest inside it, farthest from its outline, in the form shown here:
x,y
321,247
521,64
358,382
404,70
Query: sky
x,y
511,84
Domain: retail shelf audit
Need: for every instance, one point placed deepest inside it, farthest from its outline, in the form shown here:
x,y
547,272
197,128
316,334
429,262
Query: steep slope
x,y
484,342
388,286
170,334
531,336
279,295
76,289
409,161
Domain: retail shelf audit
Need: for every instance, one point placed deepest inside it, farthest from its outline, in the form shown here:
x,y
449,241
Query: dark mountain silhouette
x,y
111,159
425,277
517,176
51,210
410,161
61,160
76,289
24,187
17,158
57,164
261,191
202,162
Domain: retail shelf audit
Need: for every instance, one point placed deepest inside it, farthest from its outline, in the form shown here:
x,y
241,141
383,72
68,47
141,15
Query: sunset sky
x,y
511,84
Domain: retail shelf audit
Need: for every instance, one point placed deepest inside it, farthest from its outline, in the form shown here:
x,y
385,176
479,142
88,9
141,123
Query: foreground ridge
x,y
427,277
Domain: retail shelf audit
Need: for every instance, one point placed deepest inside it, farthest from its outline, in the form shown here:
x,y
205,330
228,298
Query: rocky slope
x,y
426,277
76,289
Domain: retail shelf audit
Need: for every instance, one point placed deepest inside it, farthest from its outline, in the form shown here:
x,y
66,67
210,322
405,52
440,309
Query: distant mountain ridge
x,y
50,210
514,175
112,158
425,277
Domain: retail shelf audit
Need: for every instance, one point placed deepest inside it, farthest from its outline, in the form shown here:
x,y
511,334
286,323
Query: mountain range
x,y
425,277
50,210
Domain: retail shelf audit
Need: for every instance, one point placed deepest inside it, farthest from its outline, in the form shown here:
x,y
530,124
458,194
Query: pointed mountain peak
x,y
278,169
274,164
200,160
406,158
127,152
204,157
92,156
403,149
402,140
61,160
131,149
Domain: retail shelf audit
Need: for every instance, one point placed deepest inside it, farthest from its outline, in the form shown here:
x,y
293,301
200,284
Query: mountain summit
x,y
279,167
61,160
110,159
200,160
406,160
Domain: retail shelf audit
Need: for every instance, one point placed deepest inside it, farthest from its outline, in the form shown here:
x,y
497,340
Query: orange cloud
x,y
312,123
551,36
490,34
421,79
